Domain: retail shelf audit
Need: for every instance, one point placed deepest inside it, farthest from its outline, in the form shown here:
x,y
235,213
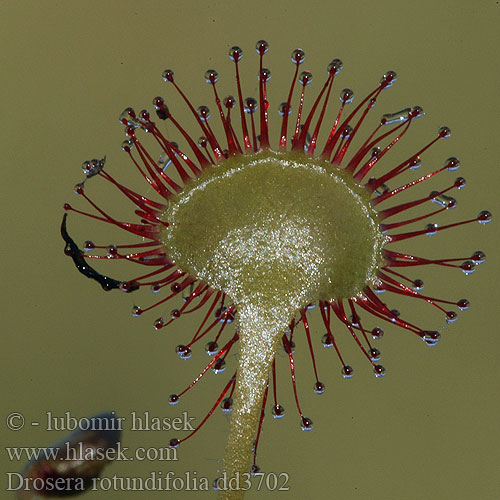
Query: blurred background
x,y
429,429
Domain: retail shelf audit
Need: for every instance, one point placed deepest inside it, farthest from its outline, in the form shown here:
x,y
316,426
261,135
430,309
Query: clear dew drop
x,y
306,424
431,338
173,443
443,200
262,47
478,257
88,246
451,317
468,267
354,320
173,399
379,371
327,340
227,405
254,470
377,333
397,117
346,133
235,53
305,78
158,102
460,183
388,79
484,217
129,118
347,371
283,107
444,132
86,166
463,304
298,56
183,351
335,66
224,317
145,114
127,145
219,366
346,96
417,112
158,323
126,286
204,113
212,348
375,354
417,285
168,75
112,251
278,411
319,387
265,74
79,188
415,164
250,105
211,76
452,163
229,101
431,229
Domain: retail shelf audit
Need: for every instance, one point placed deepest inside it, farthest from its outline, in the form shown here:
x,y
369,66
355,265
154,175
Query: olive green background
x,y
429,429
